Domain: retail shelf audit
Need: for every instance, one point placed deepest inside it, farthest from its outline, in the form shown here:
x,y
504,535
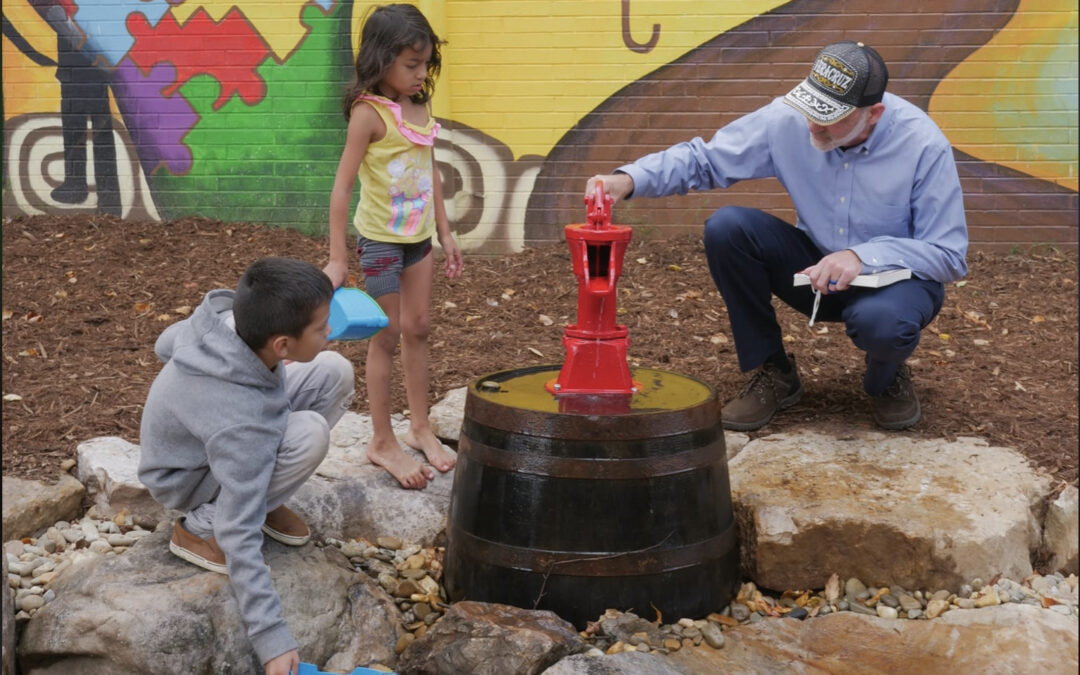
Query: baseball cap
x,y
846,75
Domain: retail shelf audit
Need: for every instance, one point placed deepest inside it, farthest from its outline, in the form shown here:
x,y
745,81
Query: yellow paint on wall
x,y
1012,101
28,87
277,23
531,69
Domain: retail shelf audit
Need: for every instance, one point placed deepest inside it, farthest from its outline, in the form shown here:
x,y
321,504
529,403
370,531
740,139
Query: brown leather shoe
x,y
197,551
897,407
285,526
767,392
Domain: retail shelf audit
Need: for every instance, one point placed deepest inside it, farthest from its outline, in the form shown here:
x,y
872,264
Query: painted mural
x,y
230,109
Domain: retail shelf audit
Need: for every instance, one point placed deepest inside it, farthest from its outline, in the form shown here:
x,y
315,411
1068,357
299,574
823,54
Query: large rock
x,y
147,611
623,663
350,497
31,506
7,657
1008,638
489,639
887,509
446,415
347,497
109,468
1060,536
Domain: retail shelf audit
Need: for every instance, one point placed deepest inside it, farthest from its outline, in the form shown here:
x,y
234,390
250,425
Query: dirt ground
x,y
84,298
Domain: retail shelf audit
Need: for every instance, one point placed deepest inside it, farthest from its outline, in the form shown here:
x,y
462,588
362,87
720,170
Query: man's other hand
x,y
834,272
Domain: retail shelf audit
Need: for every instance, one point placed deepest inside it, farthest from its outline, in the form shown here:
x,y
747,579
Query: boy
x,y
230,432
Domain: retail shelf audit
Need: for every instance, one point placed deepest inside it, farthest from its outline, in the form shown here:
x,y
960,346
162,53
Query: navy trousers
x,y
753,256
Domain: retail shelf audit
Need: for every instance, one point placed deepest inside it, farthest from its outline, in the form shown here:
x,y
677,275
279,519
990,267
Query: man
x,y
875,187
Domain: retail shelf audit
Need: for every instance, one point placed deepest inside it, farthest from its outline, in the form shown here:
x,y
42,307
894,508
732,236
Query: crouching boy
x,y
230,431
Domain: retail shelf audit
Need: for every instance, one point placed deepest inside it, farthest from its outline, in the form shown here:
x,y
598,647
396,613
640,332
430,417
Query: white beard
x,y
841,142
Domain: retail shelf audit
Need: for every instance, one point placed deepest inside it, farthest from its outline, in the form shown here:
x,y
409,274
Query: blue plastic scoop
x,y
308,669
354,315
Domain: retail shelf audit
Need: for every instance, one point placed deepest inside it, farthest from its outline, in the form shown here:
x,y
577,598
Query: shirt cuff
x,y
273,642
636,175
873,258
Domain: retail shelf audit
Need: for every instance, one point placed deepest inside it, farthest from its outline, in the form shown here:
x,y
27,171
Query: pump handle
x,y
598,207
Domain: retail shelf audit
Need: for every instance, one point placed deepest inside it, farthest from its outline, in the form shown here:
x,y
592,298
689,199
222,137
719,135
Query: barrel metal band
x,y
593,468
577,564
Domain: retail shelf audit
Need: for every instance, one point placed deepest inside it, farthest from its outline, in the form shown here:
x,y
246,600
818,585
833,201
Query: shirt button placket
x,y
842,230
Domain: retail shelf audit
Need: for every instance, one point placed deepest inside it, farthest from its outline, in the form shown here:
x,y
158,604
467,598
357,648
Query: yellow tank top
x,y
396,190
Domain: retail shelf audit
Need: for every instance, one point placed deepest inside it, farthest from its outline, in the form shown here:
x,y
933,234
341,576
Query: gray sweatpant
x,y
320,390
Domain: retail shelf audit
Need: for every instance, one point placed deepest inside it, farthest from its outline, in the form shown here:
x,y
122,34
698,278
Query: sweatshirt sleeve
x,y
242,459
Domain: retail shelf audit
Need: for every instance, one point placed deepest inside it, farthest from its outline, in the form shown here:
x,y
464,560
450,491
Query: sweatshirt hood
x,y
206,344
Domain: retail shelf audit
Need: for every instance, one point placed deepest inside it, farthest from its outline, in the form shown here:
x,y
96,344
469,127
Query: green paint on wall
x,y
273,162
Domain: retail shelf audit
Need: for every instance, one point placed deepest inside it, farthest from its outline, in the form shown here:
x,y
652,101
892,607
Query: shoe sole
x,y
287,539
196,559
784,404
903,424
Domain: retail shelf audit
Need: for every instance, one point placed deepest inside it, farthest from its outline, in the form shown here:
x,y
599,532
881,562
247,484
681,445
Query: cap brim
x,y
816,106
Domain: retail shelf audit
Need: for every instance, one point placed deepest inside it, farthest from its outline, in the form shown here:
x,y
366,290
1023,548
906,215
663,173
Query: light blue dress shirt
x,y
894,200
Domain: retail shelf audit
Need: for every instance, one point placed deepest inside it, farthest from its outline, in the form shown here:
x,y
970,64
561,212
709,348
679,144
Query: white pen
x,y
817,301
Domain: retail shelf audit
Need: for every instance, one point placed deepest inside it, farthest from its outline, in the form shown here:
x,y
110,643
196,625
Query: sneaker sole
x,y
903,424
196,559
287,539
786,403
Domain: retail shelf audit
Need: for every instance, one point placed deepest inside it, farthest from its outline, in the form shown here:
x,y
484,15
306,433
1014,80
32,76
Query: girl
x,y
390,146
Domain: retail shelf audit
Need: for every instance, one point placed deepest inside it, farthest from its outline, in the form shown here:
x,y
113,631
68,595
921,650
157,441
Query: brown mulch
x,y
84,298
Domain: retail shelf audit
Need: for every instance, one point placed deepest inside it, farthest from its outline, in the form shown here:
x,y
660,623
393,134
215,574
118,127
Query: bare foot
x,y
426,442
390,456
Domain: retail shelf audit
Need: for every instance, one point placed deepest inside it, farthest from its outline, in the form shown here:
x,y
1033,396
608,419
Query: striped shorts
x,y
382,263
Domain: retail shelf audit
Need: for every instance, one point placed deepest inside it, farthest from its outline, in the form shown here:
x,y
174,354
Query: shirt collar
x,y
881,129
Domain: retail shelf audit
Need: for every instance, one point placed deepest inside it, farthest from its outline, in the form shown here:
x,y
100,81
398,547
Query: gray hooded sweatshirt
x,y
213,421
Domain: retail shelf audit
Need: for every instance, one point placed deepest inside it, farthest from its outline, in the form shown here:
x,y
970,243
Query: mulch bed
x,y
84,298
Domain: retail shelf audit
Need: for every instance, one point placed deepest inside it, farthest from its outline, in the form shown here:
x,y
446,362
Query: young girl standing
x,y
390,147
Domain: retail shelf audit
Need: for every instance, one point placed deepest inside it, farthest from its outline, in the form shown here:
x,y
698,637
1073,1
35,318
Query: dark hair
x,y
278,296
387,30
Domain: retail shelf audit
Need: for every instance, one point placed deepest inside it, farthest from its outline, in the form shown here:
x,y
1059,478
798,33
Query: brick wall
x,y
232,110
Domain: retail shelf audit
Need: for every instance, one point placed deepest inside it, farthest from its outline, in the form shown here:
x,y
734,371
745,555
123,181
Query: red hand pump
x,y
596,346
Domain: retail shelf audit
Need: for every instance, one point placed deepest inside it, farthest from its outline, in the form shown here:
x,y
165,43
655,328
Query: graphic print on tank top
x,y
410,191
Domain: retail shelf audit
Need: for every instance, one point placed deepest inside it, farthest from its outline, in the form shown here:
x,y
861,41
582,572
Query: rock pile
x,y
33,562
409,573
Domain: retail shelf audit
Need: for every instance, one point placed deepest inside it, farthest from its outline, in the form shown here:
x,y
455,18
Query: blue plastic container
x,y
354,315
308,669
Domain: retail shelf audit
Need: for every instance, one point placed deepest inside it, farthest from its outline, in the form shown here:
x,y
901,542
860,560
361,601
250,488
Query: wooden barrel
x,y
579,504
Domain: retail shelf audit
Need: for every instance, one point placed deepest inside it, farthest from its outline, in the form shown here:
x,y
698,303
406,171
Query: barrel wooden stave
x,y
579,515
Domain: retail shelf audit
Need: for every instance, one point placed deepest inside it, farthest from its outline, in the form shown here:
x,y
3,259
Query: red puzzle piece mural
x,y
229,51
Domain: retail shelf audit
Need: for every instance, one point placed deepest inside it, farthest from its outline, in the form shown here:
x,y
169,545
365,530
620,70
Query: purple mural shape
x,y
157,124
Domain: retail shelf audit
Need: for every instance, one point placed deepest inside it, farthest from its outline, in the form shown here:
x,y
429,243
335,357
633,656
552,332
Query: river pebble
x,y
908,603
714,636
119,539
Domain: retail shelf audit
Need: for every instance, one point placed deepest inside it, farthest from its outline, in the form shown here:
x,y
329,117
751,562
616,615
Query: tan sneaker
x,y
197,551
285,526
767,392
897,407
